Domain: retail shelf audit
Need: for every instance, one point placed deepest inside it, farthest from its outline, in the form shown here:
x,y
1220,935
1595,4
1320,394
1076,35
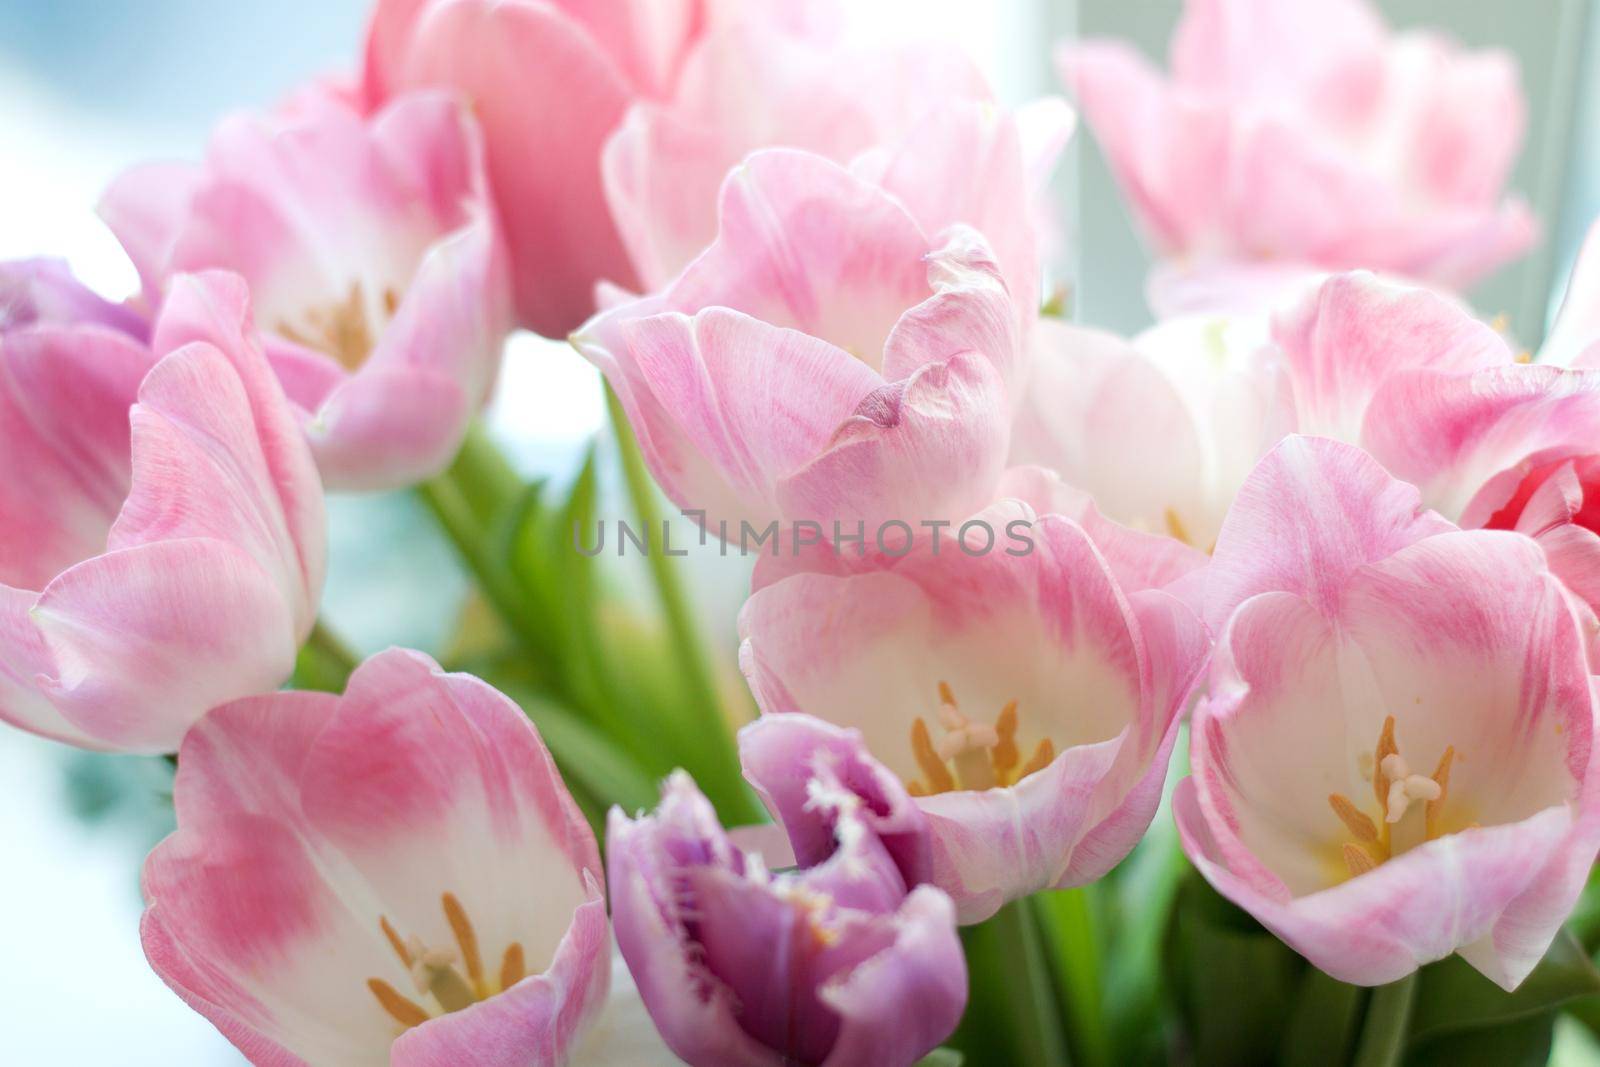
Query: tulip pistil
x,y
435,974
982,755
1395,786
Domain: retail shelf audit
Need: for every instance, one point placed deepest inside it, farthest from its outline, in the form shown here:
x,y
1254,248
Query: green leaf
x,y
1452,997
1324,1022
942,1057
1523,1043
1233,983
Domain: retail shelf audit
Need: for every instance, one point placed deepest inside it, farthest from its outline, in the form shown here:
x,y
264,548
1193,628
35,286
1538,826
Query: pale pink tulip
x,y
1162,432
1395,759
1308,137
834,964
825,359
395,876
1027,697
549,80
161,523
44,292
916,114
374,262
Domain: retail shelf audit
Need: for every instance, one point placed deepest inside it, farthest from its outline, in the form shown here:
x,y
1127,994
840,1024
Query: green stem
x,y
1383,1036
1066,920
325,661
718,773
460,506
1011,1019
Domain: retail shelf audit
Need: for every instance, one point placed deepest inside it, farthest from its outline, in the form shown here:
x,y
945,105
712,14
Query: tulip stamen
x,y
982,755
343,330
403,1010
1395,787
434,973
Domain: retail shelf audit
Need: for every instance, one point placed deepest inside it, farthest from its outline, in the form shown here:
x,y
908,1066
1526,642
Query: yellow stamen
x,y
513,968
1386,747
1043,753
1004,755
341,330
466,938
1441,774
940,780
395,943
1353,818
1357,859
401,1010
1176,528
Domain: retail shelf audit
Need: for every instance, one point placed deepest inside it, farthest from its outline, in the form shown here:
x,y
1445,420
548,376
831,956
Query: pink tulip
x,y
395,876
1027,697
44,292
824,360
1160,431
549,81
161,523
831,965
1308,137
918,113
373,259
1163,432
1395,760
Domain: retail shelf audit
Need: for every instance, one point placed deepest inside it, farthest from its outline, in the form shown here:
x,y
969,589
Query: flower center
x,y
971,755
436,974
1403,824
343,330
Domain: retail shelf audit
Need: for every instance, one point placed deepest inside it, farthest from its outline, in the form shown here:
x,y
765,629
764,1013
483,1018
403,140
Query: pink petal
x,y
929,447
1467,440
542,1015
215,307
1355,332
924,967
1139,560
805,245
547,96
1109,422
144,640
145,208
726,406
1311,513
65,392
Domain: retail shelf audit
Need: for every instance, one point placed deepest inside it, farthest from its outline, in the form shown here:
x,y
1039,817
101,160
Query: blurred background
x,y
91,86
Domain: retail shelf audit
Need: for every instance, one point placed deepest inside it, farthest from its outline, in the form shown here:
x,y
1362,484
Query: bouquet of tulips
x,y
1225,695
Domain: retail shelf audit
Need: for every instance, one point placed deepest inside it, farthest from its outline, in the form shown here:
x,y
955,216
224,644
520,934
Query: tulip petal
x,y
929,447
538,1017
1467,440
805,245
214,306
1346,339
145,639
787,758
543,161
64,398
416,752
726,405
923,967
1266,543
